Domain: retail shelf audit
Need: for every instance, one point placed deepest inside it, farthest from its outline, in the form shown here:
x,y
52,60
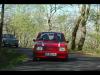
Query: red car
x,y
50,45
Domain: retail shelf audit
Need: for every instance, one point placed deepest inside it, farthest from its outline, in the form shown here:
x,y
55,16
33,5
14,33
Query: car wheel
x,y
9,46
35,58
16,46
66,59
3,45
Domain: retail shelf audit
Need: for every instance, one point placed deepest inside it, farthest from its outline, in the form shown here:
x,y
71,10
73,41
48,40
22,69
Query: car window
x,y
8,36
60,37
43,37
51,37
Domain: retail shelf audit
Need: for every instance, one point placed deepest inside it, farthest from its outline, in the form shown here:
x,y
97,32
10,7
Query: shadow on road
x,y
73,57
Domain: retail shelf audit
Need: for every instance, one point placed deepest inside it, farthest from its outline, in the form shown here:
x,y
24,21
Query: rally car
x,y
49,45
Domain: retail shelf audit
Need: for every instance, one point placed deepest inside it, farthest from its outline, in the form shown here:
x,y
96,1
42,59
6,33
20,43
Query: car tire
x,y
35,58
16,46
3,45
66,59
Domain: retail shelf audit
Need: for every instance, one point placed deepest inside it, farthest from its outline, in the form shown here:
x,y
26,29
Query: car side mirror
x,y
34,40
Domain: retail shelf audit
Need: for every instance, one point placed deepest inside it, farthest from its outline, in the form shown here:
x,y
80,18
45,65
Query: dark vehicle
x,y
9,40
50,45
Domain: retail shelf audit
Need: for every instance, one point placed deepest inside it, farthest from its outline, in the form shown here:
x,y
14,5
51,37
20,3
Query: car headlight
x,y
61,49
39,48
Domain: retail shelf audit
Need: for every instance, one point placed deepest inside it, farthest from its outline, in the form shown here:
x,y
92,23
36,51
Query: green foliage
x,y
26,21
92,44
10,57
25,27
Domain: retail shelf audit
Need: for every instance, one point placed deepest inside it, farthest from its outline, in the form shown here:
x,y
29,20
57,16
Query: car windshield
x,y
8,36
51,37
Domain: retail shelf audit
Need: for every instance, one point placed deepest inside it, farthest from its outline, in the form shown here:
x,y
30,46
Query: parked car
x,y
9,40
50,45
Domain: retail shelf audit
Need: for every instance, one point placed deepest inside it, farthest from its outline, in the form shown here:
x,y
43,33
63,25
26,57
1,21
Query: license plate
x,y
50,54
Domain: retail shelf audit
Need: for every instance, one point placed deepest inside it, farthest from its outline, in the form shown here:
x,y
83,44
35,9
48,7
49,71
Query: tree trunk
x,y
1,24
81,21
75,29
82,39
53,10
97,26
74,32
83,24
50,25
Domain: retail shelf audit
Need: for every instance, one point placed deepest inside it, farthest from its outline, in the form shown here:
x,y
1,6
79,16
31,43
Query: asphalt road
x,y
76,62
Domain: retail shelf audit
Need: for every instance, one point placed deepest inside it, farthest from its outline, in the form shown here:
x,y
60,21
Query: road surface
x,y
76,62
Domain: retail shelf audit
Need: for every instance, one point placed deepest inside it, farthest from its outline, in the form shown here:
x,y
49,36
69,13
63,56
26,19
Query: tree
x,y
1,24
95,18
75,29
83,26
50,14
81,21
52,10
25,26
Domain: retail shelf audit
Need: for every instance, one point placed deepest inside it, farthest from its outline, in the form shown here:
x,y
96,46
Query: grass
x,y
9,58
89,52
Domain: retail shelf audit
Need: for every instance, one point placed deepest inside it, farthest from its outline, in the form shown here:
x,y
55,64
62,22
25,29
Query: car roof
x,y
7,34
51,32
